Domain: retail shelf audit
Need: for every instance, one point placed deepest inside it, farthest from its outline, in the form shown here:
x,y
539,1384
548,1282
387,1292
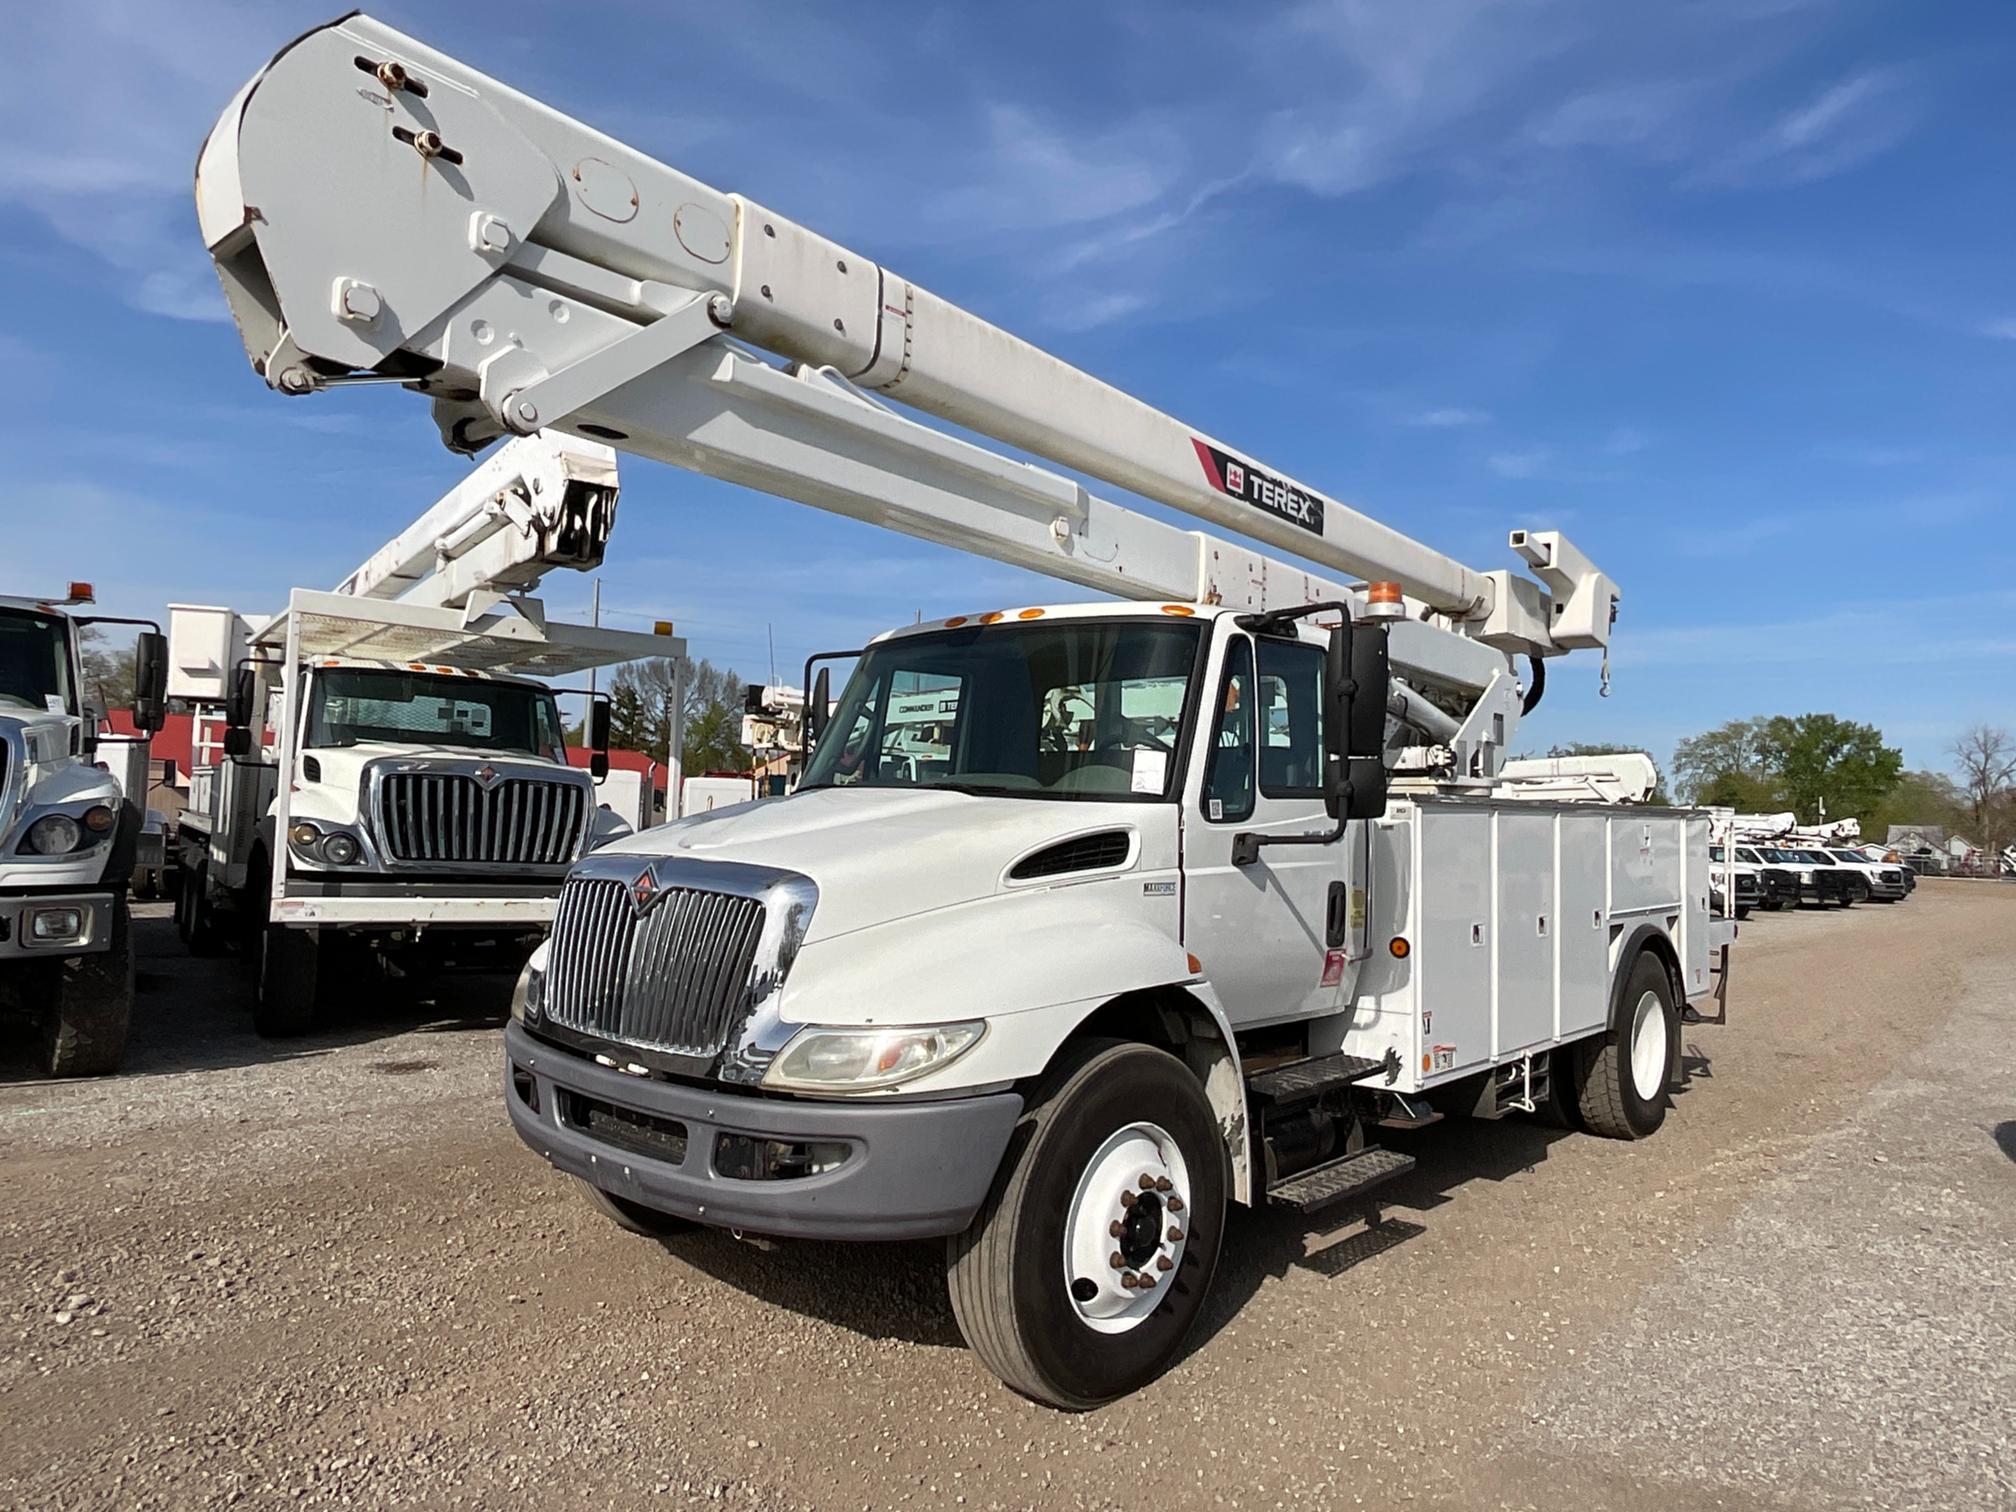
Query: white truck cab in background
x,y
380,778
68,835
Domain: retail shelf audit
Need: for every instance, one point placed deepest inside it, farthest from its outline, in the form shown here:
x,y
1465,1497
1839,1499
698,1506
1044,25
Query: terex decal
x,y
1250,485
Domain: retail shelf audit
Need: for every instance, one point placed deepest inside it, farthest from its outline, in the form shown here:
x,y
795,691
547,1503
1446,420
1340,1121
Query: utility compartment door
x,y
1582,933
1453,957
1523,873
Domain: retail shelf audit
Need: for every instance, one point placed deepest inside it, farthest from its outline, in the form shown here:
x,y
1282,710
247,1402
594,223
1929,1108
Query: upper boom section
x,y
375,205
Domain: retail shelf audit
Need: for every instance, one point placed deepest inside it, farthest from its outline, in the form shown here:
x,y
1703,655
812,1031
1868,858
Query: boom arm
x,y
375,205
539,503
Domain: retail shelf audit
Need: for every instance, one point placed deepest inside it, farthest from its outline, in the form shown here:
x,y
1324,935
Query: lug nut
x,y
1175,1234
1116,1228
1147,1182
1163,1183
1117,1260
1146,1283
1175,1204
1128,1281
1164,1263
1127,1199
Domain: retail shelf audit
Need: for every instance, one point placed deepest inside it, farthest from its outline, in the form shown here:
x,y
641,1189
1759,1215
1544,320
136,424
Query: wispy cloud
x,y
1076,313
1526,463
2000,330
1450,418
1842,127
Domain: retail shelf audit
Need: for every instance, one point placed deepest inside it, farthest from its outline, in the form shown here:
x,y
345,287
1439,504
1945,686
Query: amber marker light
x,y
1399,946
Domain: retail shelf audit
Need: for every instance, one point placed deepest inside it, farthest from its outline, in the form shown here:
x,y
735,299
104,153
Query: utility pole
x,y
675,737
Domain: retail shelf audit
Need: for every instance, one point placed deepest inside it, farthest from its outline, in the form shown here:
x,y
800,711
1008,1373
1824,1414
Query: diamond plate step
x,y
1340,1179
1307,1078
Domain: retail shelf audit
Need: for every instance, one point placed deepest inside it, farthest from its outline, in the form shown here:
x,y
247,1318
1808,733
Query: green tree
x,y
1745,792
1929,798
1821,759
1737,750
639,701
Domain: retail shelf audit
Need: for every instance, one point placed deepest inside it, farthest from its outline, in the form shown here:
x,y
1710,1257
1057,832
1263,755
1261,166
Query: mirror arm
x,y
1246,844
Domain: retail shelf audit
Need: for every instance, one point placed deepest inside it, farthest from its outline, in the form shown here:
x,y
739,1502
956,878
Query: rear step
x,y
1340,1179
1309,1078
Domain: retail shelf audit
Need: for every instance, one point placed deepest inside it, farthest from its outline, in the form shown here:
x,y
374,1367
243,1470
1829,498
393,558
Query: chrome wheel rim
x,y
1648,1046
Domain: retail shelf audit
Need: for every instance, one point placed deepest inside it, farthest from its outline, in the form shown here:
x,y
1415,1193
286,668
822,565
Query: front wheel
x,y
289,991
1090,1260
87,1004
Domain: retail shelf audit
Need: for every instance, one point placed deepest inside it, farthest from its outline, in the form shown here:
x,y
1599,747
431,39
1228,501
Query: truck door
x,y
1260,929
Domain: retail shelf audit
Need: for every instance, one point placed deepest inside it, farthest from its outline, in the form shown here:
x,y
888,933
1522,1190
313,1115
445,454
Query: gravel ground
x,y
330,1275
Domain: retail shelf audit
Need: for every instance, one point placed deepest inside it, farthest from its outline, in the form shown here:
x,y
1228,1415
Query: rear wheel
x,y
1622,1076
88,1003
1090,1260
195,918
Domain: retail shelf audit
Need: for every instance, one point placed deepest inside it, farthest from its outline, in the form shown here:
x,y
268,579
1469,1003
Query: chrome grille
x,y
677,979
447,817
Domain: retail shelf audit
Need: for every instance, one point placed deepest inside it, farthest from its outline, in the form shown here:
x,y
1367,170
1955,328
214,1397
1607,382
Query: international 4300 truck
x,y
1173,901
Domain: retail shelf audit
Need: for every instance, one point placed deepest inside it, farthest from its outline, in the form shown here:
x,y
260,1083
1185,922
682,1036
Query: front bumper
x,y
17,914
915,1169
374,899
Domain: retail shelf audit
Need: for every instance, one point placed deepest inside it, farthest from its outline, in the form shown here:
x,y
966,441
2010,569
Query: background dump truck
x,y
1217,878
69,836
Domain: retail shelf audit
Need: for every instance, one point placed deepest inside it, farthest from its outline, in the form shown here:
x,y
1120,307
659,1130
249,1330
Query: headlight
x,y
54,835
303,835
528,998
99,819
341,848
861,1060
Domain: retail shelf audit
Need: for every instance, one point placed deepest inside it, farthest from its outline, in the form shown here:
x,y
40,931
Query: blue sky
x,y
1724,289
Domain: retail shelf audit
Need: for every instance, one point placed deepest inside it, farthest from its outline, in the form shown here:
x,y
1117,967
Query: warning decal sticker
x,y
1251,485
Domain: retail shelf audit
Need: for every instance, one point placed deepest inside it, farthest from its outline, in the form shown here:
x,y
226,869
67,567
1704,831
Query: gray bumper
x,y
17,941
914,1170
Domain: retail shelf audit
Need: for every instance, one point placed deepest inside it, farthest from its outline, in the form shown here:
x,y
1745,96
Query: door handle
x,y
1336,915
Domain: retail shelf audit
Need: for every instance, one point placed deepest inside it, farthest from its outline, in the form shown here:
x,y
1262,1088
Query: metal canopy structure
x,y
513,640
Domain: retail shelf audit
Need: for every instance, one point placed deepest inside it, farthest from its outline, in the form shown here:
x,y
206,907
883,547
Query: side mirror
x,y
238,707
150,682
598,739
237,741
87,730
816,706
1357,679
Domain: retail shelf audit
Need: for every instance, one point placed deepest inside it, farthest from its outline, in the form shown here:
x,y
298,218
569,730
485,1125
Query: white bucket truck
x,y
68,834
1214,881
429,812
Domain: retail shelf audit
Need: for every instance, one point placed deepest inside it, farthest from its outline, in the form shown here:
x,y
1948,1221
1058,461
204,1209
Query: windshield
x,y
1851,858
1777,854
35,661
1808,855
1747,855
351,705
1069,709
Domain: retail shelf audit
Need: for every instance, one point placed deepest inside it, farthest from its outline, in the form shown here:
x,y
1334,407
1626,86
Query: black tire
x,y
89,1004
1006,1274
1559,1109
287,999
634,1216
1607,1092
195,919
